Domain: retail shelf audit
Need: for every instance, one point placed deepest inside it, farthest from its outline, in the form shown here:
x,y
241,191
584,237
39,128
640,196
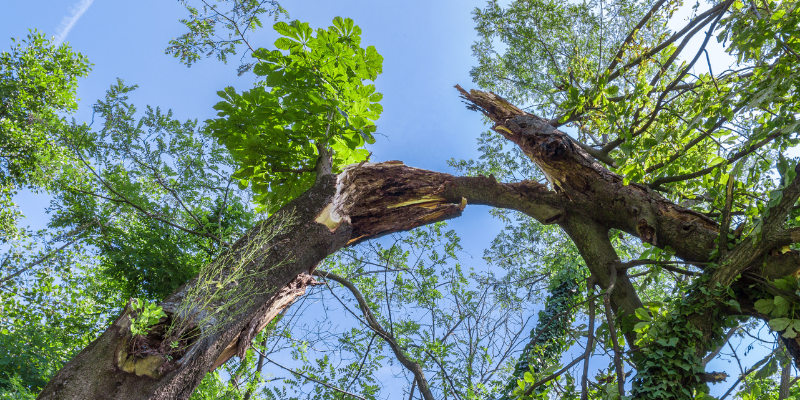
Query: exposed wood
x,y
363,202
369,200
595,195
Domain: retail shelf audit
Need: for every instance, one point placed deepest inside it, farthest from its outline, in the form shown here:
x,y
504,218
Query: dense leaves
x,y
160,193
313,101
49,313
38,81
710,138
151,200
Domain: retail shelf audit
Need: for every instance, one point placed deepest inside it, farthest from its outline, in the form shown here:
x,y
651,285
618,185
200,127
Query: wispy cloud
x,y
69,21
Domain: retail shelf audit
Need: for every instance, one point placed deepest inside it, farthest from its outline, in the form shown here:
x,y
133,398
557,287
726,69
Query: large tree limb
x,y
369,200
592,191
363,202
595,196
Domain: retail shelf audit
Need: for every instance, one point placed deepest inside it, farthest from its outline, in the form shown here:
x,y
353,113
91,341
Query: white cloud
x,y
69,21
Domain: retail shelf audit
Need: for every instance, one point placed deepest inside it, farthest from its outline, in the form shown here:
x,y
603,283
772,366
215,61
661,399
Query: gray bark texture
x,y
596,200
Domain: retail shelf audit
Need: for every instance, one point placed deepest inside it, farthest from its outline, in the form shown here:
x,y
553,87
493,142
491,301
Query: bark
x,y
369,200
592,242
597,200
101,371
785,385
363,202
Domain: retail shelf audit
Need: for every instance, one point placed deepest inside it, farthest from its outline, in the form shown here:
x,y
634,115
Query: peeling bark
x,y
600,195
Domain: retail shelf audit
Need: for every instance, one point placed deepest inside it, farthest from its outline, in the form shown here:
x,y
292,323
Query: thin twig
x,y
363,361
309,378
732,159
589,340
634,31
714,353
372,322
749,371
612,330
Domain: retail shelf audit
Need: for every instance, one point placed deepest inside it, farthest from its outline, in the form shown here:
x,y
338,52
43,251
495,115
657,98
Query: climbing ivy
x,y
668,341
781,308
549,339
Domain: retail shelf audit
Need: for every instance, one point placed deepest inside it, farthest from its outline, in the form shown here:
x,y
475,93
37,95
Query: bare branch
x,y
618,57
375,326
690,26
714,353
589,341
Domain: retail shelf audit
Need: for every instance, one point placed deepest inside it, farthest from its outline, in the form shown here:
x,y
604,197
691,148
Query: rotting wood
x,y
600,196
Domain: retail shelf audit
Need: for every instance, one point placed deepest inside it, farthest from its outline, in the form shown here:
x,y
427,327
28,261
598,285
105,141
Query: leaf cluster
x,y
313,103
145,315
38,80
237,19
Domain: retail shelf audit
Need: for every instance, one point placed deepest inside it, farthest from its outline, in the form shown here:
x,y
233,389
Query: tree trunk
x,y
363,202
597,200
369,200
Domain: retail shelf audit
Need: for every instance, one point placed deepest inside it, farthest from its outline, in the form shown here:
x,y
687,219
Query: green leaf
x,y
779,324
668,343
286,43
286,30
528,377
790,332
573,93
781,307
643,314
788,283
765,306
345,26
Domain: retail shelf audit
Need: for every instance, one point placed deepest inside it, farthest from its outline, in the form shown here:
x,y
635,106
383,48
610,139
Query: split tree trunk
x,y
370,200
363,202
596,200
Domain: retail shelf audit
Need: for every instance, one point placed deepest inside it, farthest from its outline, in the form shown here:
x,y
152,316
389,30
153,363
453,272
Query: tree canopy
x,y
649,204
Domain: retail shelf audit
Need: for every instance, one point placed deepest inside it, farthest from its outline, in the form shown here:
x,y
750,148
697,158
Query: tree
x,y
37,81
675,161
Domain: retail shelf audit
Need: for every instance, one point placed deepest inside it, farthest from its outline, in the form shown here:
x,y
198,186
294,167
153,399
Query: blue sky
x,y
426,46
